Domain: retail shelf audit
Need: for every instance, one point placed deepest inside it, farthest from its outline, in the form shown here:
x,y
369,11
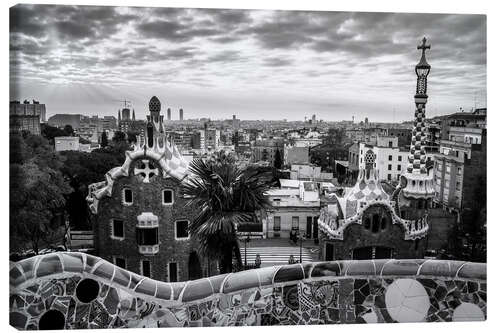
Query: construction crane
x,y
124,101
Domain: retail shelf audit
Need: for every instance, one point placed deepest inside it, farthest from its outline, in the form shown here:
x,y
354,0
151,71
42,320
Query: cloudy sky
x,y
255,64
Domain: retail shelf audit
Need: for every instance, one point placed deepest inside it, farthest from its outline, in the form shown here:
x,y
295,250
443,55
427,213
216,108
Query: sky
x,y
254,64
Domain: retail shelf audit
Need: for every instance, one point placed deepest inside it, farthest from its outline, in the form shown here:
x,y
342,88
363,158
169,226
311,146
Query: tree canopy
x,y
225,195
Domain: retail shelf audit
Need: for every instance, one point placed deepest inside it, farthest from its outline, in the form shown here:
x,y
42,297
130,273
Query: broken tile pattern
x,y
321,297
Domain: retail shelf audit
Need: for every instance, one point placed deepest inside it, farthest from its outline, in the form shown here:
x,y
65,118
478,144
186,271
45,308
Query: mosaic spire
x,y
417,156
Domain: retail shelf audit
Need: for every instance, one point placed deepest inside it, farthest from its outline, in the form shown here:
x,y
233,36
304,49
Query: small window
x,y
117,229
128,197
146,268
120,262
389,176
168,197
295,222
182,229
390,157
147,236
389,167
399,167
400,158
172,272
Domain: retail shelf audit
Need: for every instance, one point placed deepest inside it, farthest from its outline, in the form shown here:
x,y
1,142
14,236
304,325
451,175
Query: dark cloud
x,y
309,50
277,62
225,56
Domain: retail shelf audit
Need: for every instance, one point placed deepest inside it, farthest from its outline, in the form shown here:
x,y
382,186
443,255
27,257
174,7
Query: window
x,y
277,223
117,229
390,157
146,268
172,272
399,167
147,236
120,262
389,167
389,176
400,158
168,197
295,222
128,197
182,229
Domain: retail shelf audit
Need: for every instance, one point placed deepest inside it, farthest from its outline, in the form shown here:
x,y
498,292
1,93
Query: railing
x,y
69,290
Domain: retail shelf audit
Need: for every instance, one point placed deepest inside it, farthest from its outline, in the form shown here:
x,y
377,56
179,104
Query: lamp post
x,y
247,239
300,258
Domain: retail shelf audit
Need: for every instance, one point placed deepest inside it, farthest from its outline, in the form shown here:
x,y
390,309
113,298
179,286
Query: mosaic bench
x,y
71,290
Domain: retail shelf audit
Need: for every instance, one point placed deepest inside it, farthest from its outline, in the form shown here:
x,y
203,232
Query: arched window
x,y
375,223
367,224
150,135
383,223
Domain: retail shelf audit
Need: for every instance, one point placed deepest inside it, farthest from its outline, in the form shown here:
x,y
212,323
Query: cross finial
x,y
424,45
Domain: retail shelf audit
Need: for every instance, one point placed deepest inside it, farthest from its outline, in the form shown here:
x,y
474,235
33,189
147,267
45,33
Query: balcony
x,y
149,249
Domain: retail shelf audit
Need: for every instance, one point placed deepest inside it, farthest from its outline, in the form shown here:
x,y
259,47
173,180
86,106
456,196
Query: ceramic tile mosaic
x,y
76,290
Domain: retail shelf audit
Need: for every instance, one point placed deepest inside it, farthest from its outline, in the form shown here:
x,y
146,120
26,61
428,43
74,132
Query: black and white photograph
x,y
194,167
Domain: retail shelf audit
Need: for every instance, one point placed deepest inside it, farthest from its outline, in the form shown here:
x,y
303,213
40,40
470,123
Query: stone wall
x,y
74,290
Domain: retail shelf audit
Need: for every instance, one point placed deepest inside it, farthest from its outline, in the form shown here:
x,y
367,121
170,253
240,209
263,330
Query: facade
x,y
403,135
141,223
26,116
295,155
265,150
63,143
367,222
458,166
390,162
293,209
61,120
353,160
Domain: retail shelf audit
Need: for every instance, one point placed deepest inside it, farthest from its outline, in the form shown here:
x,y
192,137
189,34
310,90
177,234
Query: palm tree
x,y
224,195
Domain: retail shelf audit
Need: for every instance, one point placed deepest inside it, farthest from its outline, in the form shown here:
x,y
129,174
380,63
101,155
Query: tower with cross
x,y
416,181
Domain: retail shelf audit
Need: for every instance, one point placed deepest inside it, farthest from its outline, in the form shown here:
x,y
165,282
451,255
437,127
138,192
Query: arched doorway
x,y
194,266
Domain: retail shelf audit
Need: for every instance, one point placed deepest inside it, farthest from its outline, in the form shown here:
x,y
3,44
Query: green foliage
x,y
37,192
104,139
132,136
119,137
278,160
83,169
50,132
225,195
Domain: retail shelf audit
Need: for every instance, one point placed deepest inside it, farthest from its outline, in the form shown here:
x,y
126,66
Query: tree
x,y
37,195
50,132
68,130
119,137
104,139
132,136
278,161
225,195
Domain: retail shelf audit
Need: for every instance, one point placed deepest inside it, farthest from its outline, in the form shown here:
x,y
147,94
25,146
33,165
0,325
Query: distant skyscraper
x,y
133,114
366,121
181,114
169,114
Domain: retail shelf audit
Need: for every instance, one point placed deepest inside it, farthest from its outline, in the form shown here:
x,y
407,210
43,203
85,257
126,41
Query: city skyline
x,y
255,64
